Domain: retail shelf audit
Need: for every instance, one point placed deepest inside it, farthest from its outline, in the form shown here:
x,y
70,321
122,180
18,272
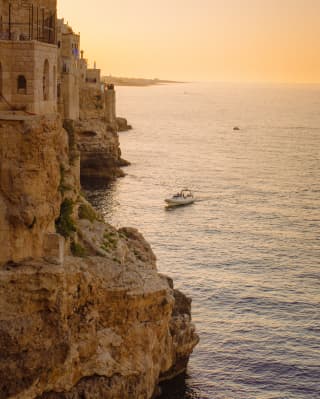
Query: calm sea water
x,y
248,252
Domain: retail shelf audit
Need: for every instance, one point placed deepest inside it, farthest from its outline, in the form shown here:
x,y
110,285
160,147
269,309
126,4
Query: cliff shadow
x,y
178,388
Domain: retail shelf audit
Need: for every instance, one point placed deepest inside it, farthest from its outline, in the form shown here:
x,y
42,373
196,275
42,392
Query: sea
x,y
248,251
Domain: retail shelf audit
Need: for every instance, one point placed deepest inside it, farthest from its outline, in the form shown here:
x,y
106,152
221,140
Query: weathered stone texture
x,y
110,105
100,150
122,124
92,328
31,155
53,248
19,58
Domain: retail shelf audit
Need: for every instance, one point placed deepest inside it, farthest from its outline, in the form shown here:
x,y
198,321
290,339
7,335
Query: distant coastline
x,y
119,81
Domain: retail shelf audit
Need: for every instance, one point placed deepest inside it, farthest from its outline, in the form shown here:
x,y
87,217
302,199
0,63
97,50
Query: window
x,y
0,78
21,85
46,81
54,83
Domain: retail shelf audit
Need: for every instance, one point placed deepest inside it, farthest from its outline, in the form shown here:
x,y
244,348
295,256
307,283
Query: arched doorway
x,y
46,81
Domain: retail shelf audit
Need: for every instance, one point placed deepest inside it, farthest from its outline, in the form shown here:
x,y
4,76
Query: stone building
x,y
28,56
83,69
93,77
41,71
69,71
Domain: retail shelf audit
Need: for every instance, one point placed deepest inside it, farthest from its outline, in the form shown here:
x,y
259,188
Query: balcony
x,y
28,23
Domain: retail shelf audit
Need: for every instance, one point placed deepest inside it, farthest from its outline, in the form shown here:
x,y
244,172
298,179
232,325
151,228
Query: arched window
x,y
21,85
46,81
0,79
54,83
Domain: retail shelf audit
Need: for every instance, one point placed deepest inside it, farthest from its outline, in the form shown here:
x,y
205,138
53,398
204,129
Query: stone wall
x,y
69,70
70,95
93,79
28,60
91,103
83,70
110,105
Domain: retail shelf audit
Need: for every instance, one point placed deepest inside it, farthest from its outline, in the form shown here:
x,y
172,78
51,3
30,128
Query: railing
x,y
21,31
38,26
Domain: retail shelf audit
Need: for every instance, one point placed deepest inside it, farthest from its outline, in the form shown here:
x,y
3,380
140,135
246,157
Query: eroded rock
x,y
31,155
90,328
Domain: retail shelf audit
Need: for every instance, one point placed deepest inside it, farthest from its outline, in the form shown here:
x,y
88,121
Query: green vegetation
x,y
105,248
110,241
78,250
65,224
87,212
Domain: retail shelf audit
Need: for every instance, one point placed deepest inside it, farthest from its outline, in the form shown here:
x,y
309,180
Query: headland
x,y
136,82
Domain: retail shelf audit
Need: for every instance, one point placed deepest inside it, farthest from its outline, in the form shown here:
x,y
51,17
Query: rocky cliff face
x,y
32,152
100,149
122,125
98,138
92,328
103,323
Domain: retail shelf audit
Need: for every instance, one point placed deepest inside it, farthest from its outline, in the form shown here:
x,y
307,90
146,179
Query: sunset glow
x,y
229,40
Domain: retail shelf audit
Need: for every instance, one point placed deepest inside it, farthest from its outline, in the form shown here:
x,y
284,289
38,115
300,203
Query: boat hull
x,y
179,202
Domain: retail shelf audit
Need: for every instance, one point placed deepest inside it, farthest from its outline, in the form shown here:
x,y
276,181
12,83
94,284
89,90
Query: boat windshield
x,y
183,194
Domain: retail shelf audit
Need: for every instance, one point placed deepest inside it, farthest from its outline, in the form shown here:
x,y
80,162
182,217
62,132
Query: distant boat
x,y
184,197
236,128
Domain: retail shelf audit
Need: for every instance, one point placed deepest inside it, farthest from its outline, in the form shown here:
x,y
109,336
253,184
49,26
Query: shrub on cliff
x,y
87,212
65,224
77,250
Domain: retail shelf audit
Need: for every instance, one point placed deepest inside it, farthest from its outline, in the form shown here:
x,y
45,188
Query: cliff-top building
x,y
68,44
28,55
41,70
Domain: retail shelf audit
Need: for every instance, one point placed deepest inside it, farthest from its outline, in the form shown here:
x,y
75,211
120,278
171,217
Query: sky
x,y
200,40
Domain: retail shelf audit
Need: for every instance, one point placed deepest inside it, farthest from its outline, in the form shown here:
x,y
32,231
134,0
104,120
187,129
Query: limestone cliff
x,y
32,152
92,328
97,136
100,149
100,324
122,125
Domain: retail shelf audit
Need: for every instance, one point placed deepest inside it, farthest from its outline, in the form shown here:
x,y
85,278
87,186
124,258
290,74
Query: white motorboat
x,y
185,197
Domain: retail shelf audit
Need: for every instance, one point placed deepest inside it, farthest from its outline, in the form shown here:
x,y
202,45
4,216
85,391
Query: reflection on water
x,y
248,252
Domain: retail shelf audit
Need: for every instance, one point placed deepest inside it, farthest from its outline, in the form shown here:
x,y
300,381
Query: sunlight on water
x,y
248,251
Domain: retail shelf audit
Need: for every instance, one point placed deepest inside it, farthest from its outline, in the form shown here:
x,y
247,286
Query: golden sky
x,y
216,40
